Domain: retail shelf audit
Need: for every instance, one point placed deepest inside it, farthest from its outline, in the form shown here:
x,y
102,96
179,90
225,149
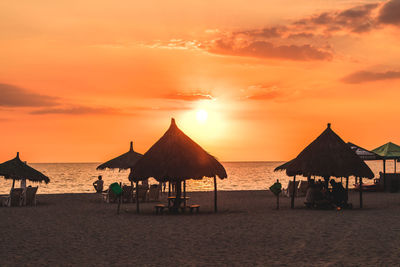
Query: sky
x,y
247,80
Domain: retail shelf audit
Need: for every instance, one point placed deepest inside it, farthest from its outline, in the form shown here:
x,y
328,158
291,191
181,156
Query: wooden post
x,y
326,180
294,192
169,188
137,197
395,165
384,174
178,196
361,200
119,199
277,201
184,192
215,194
13,184
347,189
131,191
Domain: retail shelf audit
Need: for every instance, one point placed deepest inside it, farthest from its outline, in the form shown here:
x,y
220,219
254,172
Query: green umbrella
x,y
388,151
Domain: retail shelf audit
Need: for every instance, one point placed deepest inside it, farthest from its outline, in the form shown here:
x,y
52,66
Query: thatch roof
x,y
388,151
15,169
363,153
176,157
123,162
327,156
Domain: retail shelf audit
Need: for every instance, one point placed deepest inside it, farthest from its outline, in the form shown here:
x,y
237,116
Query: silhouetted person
x,y
98,184
338,193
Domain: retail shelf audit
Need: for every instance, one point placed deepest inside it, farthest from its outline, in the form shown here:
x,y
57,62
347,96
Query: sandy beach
x,y
81,230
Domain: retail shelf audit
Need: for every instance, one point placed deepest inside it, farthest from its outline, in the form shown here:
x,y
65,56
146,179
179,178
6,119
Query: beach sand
x,y
79,229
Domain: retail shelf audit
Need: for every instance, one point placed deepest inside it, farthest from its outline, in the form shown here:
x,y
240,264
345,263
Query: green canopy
x,y
388,151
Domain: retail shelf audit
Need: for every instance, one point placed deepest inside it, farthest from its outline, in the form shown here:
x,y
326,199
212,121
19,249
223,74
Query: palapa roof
x,y
327,156
123,162
17,170
176,157
363,153
388,151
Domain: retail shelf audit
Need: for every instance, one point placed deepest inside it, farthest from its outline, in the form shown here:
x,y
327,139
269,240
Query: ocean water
x,y
78,177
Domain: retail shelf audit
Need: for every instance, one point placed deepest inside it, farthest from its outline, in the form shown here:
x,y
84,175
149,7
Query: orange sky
x,y
80,79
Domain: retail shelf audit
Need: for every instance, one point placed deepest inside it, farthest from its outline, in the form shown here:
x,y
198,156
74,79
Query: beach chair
x,y
127,194
30,196
154,193
302,190
288,192
110,196
142,193
15,198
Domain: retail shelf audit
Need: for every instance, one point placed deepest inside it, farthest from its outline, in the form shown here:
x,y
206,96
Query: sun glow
x,y
201,116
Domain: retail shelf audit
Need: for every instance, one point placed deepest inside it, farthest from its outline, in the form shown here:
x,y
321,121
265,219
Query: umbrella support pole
x,y
13,184
277,201
347,189
119,199
184,193
384,175
294,192
137,197
131,192
215,194
169,188
361,190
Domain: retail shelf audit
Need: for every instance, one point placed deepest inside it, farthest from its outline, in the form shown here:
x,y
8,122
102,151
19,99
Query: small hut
x,y
327,156
122,162
388,151
16,169
176,158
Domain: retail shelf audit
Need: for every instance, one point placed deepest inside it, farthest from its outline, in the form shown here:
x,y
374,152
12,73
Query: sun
x,y
201,116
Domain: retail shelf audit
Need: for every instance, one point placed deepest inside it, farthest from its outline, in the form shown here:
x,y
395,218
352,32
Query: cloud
x,y
13,96
189,96
79,110
306,39
264,92
357,19
263,49
267,32
368,76
390,13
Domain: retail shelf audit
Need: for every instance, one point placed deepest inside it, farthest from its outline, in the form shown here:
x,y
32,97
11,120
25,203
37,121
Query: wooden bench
x,y
196,207
159,208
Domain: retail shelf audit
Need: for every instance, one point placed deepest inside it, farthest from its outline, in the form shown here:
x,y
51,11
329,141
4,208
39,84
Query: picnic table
x,y
172,199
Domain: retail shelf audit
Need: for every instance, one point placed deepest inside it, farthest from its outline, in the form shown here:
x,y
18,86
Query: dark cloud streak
x,y
79,110
390,13
13,96
368,76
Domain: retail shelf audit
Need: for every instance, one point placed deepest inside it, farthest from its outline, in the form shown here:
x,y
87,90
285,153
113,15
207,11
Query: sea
x,y
78,177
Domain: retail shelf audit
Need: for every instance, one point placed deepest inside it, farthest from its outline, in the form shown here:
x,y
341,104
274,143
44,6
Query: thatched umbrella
x,y
363,153
15,169
388,151
327,156
122,162
175,158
